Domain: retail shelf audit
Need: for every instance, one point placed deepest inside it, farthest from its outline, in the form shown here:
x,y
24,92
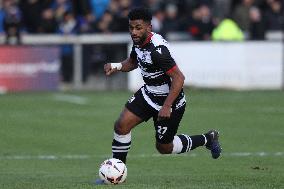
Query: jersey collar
x,y
147,40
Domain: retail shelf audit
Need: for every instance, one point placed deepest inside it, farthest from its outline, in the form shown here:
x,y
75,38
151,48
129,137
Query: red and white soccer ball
x,y
113,171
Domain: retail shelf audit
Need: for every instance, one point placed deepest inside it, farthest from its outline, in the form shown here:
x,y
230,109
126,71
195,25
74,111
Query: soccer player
x,y
161,98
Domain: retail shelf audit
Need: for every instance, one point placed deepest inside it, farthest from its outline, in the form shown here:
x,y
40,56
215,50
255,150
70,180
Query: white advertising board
x,y
245,65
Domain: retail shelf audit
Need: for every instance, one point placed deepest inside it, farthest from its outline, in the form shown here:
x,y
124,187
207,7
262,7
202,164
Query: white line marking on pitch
x,y
85,156
71,99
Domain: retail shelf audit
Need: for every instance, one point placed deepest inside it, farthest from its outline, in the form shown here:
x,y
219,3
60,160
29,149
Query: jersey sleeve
x,y
133,54
161,57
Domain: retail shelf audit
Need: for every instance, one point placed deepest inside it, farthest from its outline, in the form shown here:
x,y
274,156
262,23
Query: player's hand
x,y
164,113
108,70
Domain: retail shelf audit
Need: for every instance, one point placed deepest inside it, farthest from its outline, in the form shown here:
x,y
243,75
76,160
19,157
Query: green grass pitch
x,y
58,140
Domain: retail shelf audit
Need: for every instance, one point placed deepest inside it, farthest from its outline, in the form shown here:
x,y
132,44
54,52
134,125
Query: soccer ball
x,y
113,171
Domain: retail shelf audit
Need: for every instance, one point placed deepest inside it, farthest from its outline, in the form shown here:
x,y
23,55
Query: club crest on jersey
x,y
146,58
143,56
159,50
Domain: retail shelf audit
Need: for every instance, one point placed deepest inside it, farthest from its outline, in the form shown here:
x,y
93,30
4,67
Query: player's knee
x,y
120,129
164,149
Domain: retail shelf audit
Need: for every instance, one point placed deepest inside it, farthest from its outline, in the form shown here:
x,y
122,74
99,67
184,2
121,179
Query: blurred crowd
x,y
197,18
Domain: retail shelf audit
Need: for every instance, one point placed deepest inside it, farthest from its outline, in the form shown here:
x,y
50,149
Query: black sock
x,y
197,140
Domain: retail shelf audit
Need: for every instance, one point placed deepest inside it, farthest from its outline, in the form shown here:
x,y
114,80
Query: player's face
x,y
139,31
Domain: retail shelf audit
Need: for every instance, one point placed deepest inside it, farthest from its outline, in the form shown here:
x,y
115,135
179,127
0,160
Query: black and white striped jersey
x,y
155,61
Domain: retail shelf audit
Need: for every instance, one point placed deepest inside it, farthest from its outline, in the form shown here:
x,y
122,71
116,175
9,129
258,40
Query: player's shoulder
x,y
160,47
158,40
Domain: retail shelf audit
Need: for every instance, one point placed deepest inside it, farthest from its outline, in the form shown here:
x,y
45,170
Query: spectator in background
x,y
86,22
227,30
1,18
11,22
99,7
256,27
120,22
48,22
157,21
274,14
195,17
32,11
67,26
221,8
60,7
104,24
137,3
152,4
125,4
241,14
200,24
114,7
81,7
171,22
83,12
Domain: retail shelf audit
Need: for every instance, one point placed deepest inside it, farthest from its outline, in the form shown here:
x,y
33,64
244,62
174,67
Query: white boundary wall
x,y
244,65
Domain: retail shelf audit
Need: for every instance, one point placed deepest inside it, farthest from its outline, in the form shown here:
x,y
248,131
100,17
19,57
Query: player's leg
x,y
122,134
166,131
136,111
168,142
184,143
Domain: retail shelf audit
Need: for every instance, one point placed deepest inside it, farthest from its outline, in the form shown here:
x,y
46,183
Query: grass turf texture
x,y
37,125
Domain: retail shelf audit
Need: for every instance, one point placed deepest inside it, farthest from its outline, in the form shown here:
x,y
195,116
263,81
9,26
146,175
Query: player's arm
x,y
127,65
161,56
176,86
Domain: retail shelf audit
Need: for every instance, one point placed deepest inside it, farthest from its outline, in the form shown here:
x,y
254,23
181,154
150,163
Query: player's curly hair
x,y
140,13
